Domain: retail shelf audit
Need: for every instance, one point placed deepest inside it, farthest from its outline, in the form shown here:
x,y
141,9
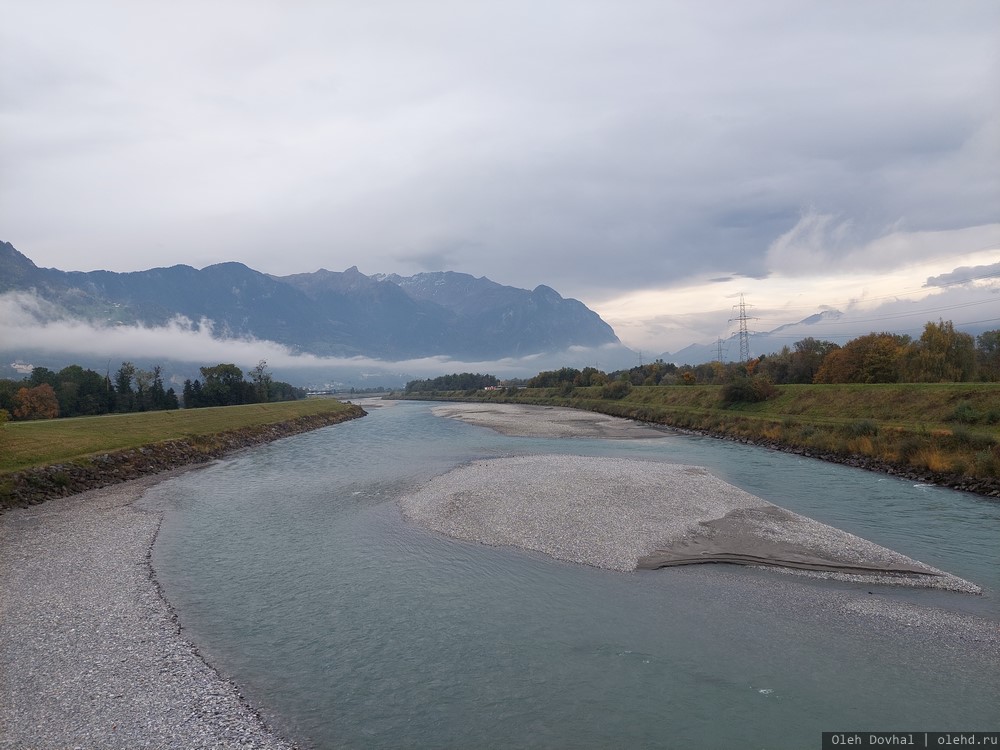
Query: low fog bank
x,y
34,334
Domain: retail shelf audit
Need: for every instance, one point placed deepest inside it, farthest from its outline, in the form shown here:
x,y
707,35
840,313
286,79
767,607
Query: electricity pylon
x,y
742,317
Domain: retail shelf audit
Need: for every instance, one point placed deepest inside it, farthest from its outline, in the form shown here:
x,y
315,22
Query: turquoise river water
x,y
294,573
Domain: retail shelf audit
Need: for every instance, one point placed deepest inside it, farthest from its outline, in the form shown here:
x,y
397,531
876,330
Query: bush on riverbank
x,y
748,390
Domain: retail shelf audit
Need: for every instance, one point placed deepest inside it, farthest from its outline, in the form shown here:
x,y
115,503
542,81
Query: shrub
x,y
616,389
987,463
748,391
908,447
965,413
863,428
963,436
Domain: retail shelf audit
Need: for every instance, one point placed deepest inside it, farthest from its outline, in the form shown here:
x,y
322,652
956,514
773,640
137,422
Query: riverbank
x,y
64,478
91,655
942,434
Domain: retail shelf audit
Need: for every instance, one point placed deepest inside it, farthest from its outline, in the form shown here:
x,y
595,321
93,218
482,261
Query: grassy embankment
x,y
58,457
949,430
37,443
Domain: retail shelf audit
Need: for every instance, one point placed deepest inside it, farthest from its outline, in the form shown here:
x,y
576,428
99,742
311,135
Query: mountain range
x,y
325,313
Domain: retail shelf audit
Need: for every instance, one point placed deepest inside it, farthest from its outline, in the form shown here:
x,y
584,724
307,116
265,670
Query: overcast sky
x,y
650,158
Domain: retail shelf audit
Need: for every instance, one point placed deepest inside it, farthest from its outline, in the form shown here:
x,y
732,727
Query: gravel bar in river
x,y
622,514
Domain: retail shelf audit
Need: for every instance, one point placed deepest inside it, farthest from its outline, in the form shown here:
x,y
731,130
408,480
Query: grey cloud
x,y
592,146
965,275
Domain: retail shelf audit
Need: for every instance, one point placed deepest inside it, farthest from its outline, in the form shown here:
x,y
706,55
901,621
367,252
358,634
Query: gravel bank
x,y
90,653
620,514
547,421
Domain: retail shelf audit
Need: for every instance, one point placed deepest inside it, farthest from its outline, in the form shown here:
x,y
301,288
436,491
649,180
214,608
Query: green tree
x,y
806,358
43,376
143,385
988,354
125,400
261,378
463,381
81,392
554,378
590,376
707,372
223,385
8,393
192,394
941,355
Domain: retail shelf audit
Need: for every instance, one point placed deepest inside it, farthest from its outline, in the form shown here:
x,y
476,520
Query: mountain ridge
x,y
325,313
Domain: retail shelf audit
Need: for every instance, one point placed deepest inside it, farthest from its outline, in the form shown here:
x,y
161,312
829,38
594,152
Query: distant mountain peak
x,y
547,293
820,317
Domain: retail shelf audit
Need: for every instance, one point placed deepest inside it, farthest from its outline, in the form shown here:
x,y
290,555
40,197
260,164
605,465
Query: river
x,y
292,570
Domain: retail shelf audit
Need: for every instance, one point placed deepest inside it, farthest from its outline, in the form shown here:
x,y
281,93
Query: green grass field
x,y
37,443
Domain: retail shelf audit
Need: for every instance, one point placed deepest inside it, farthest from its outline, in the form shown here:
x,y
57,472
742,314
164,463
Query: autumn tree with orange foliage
x,y
875,358
39,402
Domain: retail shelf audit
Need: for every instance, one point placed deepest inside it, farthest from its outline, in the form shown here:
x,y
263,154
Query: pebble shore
x,y
91,654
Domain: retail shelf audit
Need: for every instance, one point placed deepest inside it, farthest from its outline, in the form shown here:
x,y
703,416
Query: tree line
x,y
462,381
74,391
940,355
224,385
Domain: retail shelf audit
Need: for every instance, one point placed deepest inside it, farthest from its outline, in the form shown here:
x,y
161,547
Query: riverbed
x,y
292,570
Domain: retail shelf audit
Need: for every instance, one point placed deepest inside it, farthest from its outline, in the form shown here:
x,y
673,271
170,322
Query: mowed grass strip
x,y
37,443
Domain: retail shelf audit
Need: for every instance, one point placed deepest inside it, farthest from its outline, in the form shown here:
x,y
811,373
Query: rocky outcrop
x,y
38,484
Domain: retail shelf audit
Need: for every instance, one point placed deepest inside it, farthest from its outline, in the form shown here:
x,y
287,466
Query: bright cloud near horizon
x,y
652,158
